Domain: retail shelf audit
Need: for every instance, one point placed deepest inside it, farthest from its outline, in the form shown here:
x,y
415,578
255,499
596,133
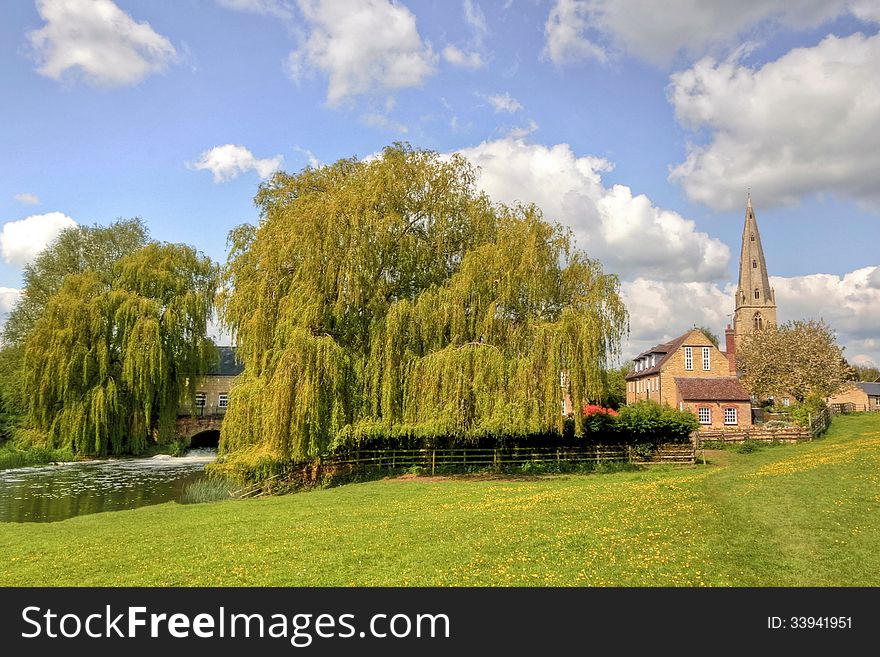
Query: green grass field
x,y
795,515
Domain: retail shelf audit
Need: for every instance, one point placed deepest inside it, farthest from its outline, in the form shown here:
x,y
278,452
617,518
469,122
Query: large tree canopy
x,y
388,295
797,358
107,362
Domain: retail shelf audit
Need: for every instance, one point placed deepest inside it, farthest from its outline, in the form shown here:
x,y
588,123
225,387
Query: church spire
x,y
755,299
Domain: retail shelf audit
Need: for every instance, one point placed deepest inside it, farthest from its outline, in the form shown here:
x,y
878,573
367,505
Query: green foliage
x,y
650,422
615,385
209,489
749,446
796,358
107,363
13,456
389,299
810,408
868,372
709,333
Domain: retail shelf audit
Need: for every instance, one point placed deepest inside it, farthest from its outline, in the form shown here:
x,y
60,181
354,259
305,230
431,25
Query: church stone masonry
x,y
755,299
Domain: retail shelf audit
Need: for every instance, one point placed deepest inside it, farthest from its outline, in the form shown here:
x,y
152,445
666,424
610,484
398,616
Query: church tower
x,y
755,299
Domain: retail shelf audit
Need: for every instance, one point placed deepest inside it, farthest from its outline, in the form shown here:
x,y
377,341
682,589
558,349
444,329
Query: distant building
x,y
212,391
861,397
690,372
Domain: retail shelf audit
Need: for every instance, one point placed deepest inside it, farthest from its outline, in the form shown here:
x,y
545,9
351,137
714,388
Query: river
x,y
55,492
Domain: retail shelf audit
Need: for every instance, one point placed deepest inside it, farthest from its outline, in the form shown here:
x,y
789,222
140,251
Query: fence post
x,y
433,455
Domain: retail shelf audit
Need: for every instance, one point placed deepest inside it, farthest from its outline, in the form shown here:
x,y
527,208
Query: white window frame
x,y
223,400
786,401
708,414
731,410
688,358
201,400
707,362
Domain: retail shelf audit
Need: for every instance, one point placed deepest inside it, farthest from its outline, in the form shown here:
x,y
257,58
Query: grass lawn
x,y
795,515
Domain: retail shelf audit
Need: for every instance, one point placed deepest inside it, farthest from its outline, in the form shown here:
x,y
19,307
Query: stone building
x,y
690,372
212,391
862,396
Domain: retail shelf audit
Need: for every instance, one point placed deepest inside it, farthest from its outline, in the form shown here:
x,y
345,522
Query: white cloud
x,y
363,47
504,103
521,132
656,31
230,160
803,124
98,41
278,8
379,120
564,31
627,233
8,298
462,58
475,18
21,240
27,198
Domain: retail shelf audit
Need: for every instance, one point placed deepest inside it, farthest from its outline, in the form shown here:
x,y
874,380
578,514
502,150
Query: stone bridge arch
x,y
194,431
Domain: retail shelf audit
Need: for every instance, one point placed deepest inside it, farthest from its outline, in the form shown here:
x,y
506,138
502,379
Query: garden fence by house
x,y
818,423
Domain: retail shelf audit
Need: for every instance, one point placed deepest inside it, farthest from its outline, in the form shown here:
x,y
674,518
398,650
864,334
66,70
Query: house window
x,y
688,358
223,400
786,401
705,415
757,293
729,415
201,399
707,364
754,264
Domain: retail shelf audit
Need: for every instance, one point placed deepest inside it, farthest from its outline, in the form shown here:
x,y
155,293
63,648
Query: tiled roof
x,y
870,388
726,388
227,366
664,350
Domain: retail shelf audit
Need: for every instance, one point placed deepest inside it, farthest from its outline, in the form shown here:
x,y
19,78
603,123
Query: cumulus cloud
x,y
504,103
27,198
96,40
656,31
362,47
21,240
627,232
230,160
803,124
461,58
8,298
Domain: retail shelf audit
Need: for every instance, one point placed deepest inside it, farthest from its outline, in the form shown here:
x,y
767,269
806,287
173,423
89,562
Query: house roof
x,y
664,350
870,388
726,388
227,365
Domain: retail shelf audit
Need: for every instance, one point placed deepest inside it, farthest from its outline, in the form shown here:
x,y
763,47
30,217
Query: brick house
x,y
212,391
691,372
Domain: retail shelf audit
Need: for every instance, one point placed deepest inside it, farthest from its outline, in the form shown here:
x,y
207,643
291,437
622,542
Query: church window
x,y
754,264
757,293
688,358
759,322
752,237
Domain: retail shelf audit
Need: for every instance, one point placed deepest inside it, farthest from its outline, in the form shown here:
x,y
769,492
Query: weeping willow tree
x,y
108,361
388,296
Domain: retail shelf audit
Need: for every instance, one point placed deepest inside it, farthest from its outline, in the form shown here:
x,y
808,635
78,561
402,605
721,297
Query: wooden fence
x,y
487,458
854,408
817,425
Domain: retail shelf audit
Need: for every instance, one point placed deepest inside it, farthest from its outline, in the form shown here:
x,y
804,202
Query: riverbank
x,y
15,457
794,515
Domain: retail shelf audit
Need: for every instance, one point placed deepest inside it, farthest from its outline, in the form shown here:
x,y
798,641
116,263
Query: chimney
x,y
730,346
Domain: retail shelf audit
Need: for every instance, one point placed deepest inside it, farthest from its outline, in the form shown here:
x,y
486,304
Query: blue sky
x,y
639,124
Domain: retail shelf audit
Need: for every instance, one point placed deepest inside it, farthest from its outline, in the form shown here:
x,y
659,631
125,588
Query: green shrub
x,y
649,422
802,412
749,446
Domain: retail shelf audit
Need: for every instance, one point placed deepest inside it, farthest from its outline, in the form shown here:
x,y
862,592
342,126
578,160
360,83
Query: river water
x,y
56,492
